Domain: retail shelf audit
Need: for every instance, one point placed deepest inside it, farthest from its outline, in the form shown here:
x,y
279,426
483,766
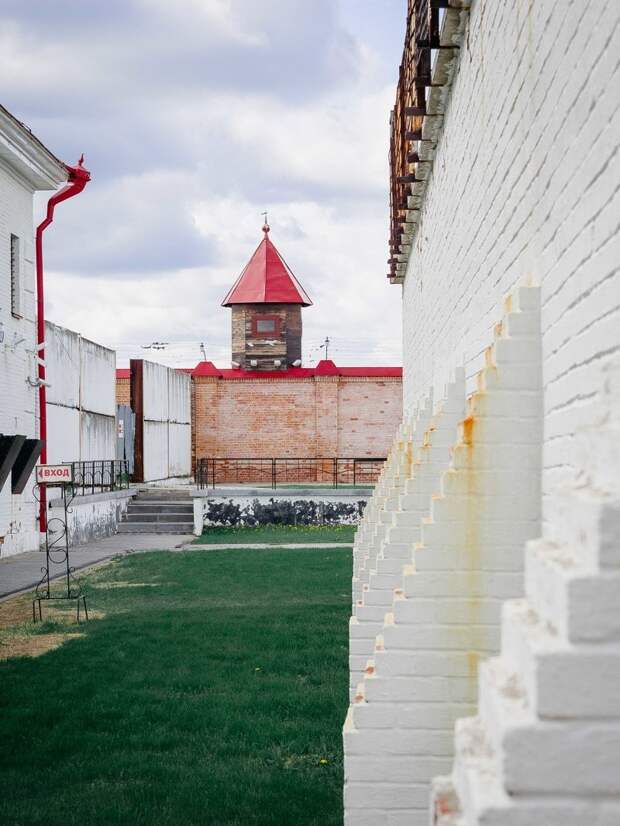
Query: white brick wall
x,y
455,562
525,188
25,167
18,526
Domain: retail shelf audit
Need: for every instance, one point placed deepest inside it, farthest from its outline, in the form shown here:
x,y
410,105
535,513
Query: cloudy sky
x,y
195,116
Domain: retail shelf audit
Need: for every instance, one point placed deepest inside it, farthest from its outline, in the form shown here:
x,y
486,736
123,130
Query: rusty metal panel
x,y
136,367
125,420
161,402
407,116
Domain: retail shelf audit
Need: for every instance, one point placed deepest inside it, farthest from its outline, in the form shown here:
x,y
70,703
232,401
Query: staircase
x,y
545,746
159,510
453,539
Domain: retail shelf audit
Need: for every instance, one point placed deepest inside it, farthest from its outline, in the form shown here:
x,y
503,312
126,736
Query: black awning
x,y
24,464
10,447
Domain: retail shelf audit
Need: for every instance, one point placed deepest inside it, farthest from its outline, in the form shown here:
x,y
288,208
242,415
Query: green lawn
x,y
212,692
277,534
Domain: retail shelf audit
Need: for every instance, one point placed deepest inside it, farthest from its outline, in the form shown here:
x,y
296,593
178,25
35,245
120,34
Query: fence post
x,y
274,474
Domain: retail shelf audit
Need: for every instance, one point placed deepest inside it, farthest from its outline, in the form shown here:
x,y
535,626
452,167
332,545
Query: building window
x,y
266,326
16,297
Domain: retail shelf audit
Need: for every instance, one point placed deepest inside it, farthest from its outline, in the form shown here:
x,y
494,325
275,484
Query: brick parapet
x,y
314,416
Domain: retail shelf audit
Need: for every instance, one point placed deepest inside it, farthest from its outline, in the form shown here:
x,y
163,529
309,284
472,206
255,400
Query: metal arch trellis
x,y
57,554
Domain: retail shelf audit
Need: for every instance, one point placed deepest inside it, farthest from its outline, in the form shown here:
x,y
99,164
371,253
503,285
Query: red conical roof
x,y
266,279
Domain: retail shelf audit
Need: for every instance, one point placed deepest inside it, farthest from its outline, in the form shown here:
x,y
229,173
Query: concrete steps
x,y
159,510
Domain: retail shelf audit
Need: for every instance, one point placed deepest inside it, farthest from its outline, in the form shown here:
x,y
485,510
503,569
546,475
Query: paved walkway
x,y
23,571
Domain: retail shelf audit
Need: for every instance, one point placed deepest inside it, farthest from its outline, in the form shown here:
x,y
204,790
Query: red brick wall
x,y
322,416
122,391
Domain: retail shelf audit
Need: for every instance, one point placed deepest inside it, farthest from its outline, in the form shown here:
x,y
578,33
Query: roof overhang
x,y
27,157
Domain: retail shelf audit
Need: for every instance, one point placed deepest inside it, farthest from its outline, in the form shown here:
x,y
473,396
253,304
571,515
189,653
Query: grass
x,y
277,534
212,691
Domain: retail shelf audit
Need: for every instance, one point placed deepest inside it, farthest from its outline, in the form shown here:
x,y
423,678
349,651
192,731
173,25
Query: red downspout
x,y
78,178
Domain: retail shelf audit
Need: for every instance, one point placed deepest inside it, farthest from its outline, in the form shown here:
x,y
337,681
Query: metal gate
x,y
125,431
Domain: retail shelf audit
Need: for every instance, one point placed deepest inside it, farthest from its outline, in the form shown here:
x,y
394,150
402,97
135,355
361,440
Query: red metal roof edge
x,y
323,368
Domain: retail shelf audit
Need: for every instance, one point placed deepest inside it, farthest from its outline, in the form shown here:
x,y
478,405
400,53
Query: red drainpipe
x,y
78,178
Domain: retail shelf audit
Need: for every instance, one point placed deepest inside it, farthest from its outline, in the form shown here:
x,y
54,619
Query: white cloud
x,y
195,116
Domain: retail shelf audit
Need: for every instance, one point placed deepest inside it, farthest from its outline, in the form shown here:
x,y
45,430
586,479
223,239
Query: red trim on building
x,y
323,368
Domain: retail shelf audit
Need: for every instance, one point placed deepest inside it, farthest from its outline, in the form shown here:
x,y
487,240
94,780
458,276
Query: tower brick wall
x,y
250,344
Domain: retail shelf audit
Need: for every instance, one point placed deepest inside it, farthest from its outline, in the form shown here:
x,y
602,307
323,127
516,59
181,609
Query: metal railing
x,y
407,116
271,472
99,476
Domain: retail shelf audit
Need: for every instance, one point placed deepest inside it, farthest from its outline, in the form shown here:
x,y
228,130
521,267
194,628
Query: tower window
x,y
16,297
264,326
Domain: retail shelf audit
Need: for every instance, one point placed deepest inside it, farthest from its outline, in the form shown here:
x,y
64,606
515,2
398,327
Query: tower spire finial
x,y
266,226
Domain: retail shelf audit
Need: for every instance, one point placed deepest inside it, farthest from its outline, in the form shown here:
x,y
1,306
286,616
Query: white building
x,y
487,567
26,167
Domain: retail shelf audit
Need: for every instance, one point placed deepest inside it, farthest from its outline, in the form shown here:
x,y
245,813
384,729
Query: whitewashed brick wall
x,y
525,188
18,528
456,535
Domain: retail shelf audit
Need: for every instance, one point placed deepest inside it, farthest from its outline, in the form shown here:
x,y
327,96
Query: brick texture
x,y
283,345
122,391
526,178
18,400
524,189
321,416
432,565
